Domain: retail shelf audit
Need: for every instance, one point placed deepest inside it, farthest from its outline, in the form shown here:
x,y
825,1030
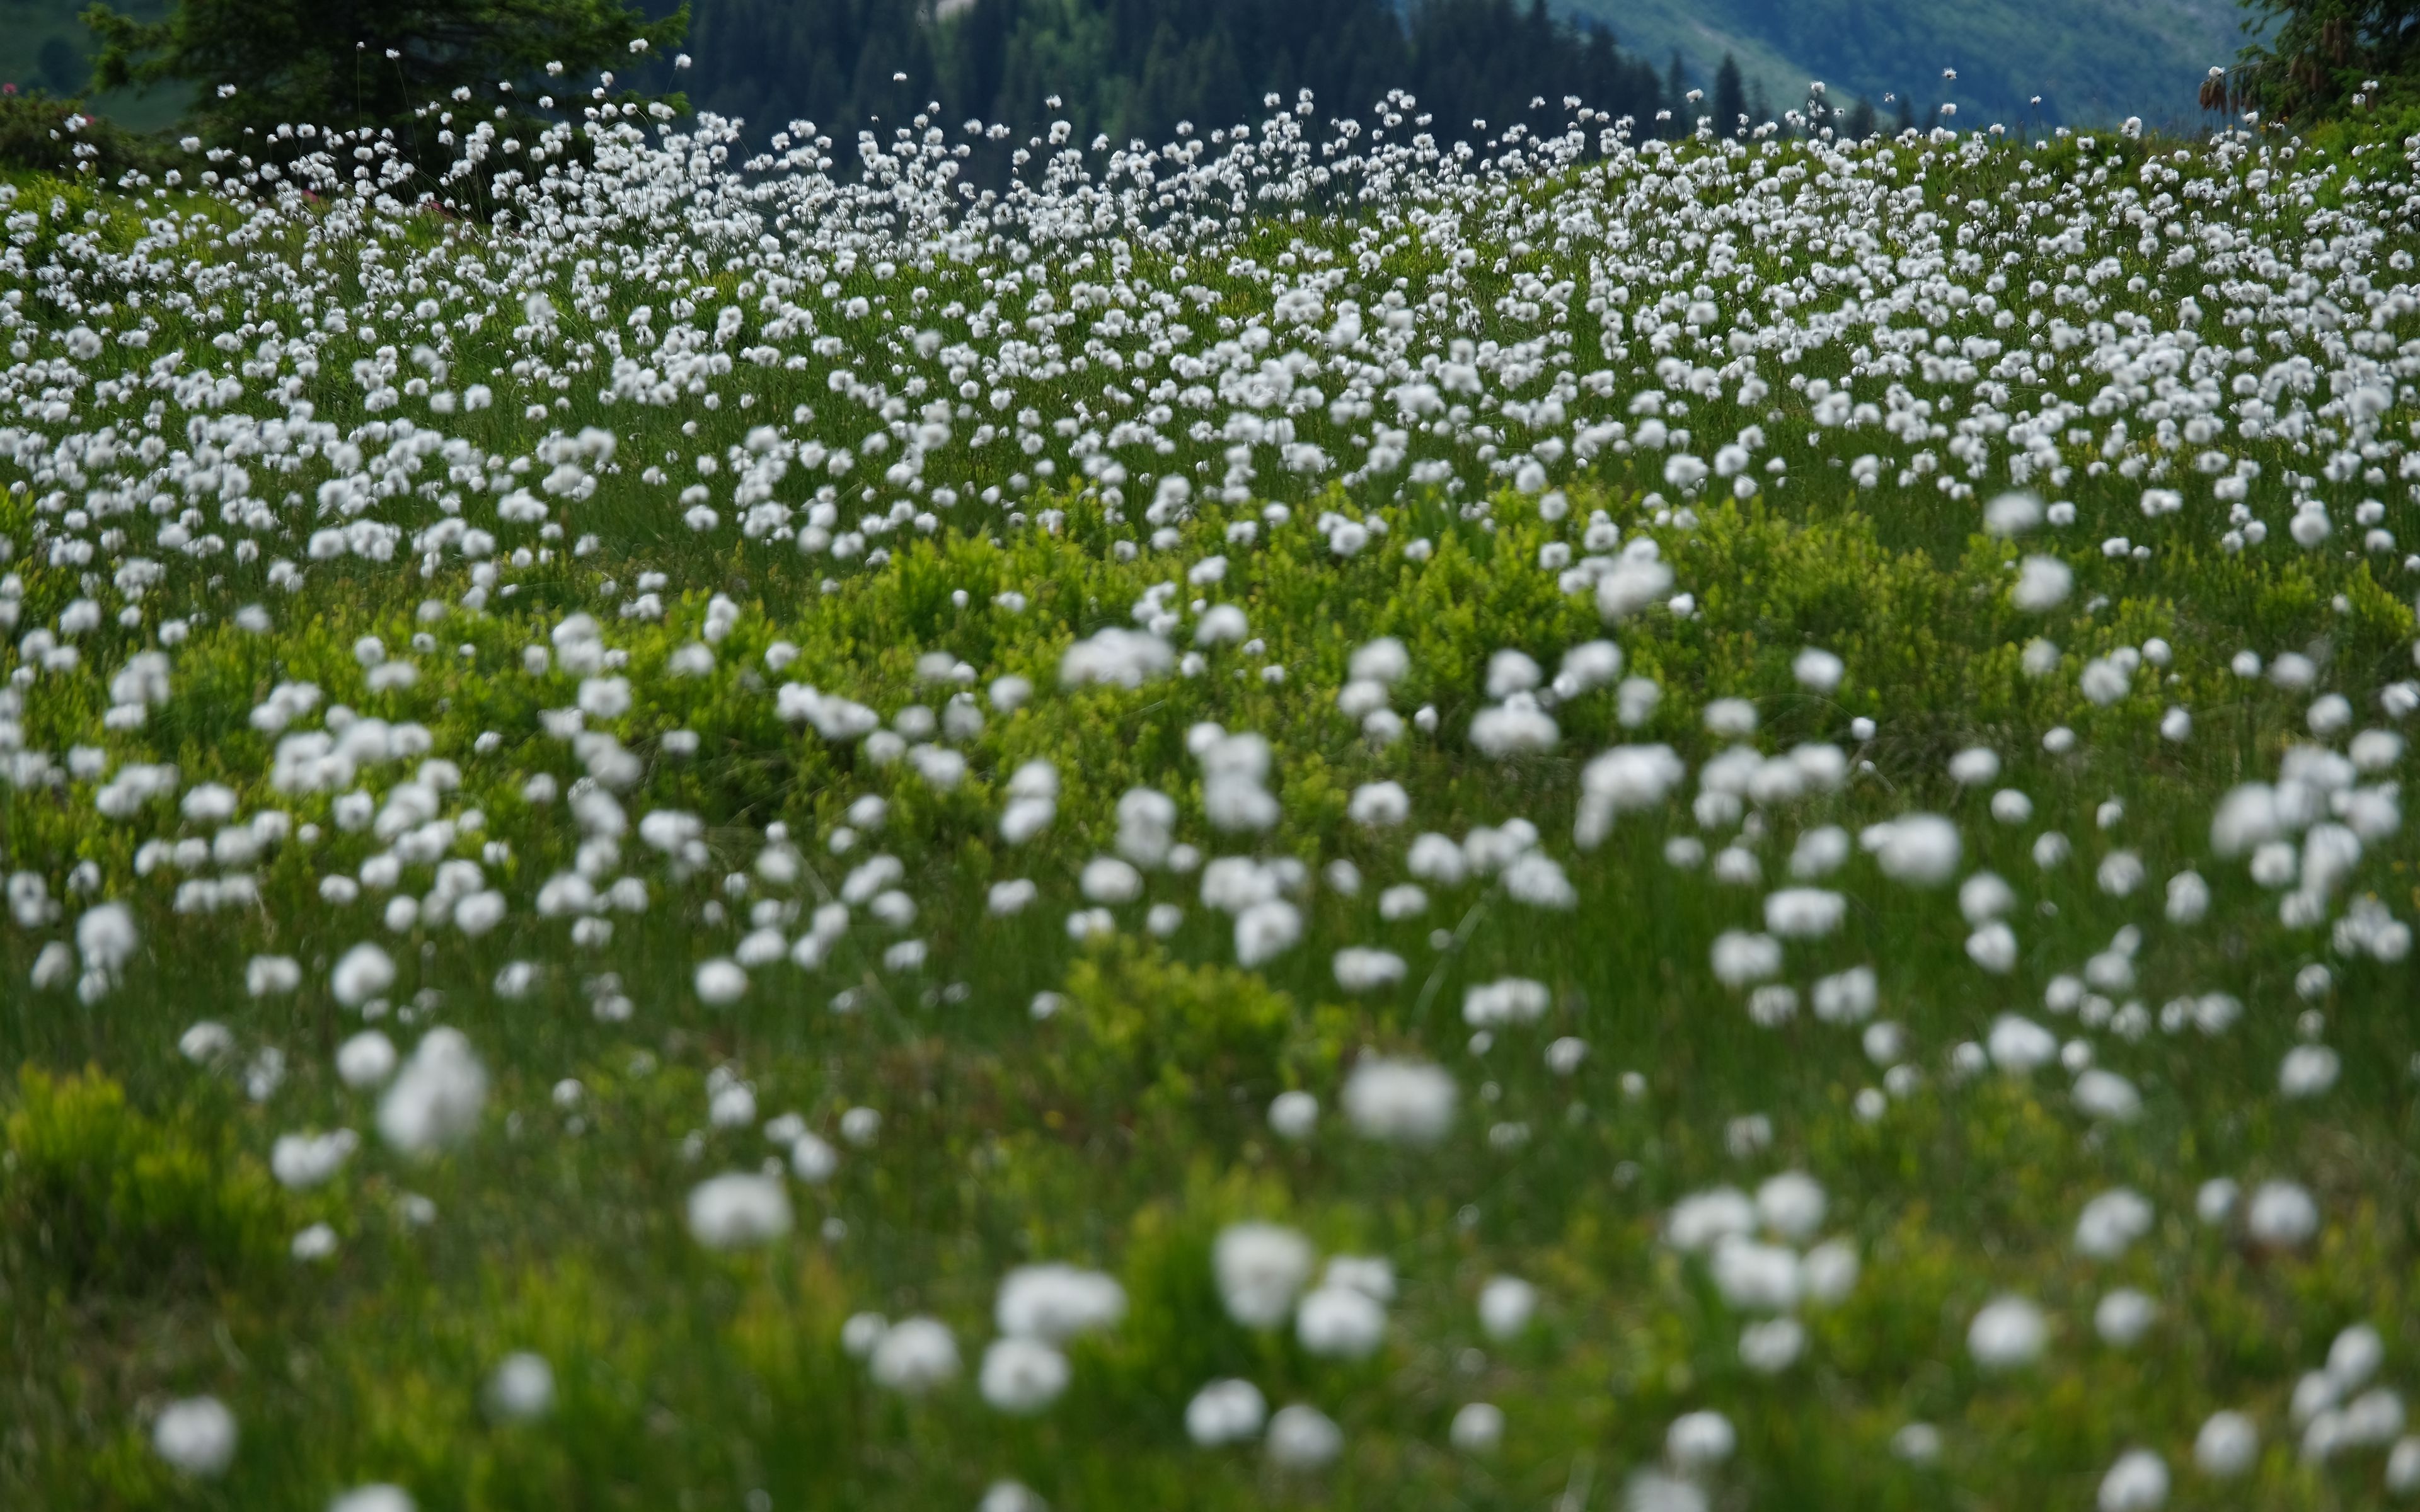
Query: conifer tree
x,y
257,63
1730,98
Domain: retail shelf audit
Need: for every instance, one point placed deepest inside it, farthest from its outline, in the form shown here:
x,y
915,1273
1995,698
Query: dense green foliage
x,y
50,134
250,66
1134,68
2322,58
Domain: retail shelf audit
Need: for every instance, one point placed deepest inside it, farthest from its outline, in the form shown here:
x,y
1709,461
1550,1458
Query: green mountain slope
x,y
2090,60
43,45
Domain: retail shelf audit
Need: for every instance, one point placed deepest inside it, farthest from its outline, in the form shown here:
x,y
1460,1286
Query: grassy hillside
x,y
1279,822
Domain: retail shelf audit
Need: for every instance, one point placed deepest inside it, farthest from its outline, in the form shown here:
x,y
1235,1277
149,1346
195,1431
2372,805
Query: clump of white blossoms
x,y
738,1208
1400,1102
1260,1268
436,1099
196,1435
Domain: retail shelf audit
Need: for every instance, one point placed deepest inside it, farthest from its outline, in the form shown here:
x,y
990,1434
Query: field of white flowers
x,y
1308,817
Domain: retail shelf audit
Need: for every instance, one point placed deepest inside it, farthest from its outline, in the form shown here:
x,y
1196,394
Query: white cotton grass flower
x,y
1106,879
1792,1205
1651,1490
521,1389
1829,1272
1507,1000
1022,1376
1266,931
204,1042
301,1162
1378,805
2123,1317
379,1496
196,1436
1757,1278
1772,1346
2103,1094
2226,1446
2403,1476
2354,1356
1818,671
1340,1322
2188,898
2110,1223
318,1242
1055,1303
1478,1428
1221,625
2307,1072
1586,666
1804,913
1259,1268
1741,959
1294,1115
1303,1438
106,938
1819,852
2008,1333
436,1100
914,1357
1511,671
1117,657
1975,767
1506,1305
1702,1220
1633,584
271,976
1699,1440
2281,1215
1846,996
1516,727
1363,969
1225,1411
2012,514
2042,584
2138,1482
2104,681
367,1059
1921,850
812,1160
860,1332
720,982
362,973
1383,660
738,1208
1009,1495
1398,1101
1994,948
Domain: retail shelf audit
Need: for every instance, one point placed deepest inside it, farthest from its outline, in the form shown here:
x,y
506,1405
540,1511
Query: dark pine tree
x,y
1730,99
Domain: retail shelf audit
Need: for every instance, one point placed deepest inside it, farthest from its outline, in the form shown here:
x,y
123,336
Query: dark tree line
x,y
1137,67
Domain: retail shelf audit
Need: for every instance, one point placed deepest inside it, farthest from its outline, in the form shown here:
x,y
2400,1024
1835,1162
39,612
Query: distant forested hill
x,y
2090,60
1136,68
